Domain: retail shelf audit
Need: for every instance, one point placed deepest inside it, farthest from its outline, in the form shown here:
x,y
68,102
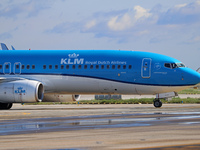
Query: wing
x,y
3,80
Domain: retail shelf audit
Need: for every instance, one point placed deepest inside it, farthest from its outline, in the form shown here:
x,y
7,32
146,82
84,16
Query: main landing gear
x,y
5,106
157,103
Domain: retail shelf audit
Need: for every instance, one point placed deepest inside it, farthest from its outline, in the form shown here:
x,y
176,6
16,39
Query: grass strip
x,y
190,91
128,101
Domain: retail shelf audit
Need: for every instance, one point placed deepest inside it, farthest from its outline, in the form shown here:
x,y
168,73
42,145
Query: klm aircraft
x,y
41,75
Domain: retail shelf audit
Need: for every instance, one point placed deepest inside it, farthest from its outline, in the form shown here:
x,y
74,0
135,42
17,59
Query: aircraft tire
x,y
5,106
157,103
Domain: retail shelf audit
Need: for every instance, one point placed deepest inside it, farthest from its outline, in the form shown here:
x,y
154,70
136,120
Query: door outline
x,y
5,69
16,70
146,68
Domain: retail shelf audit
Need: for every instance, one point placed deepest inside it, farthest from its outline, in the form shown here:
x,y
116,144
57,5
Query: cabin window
x,y
97,66
50,66
102,66
44,66
23,66
91,67
85,67
33,66
62,66
28,67
17,66
56,66
113,66
79,66
67,67
7,66
0,66
124,66
130,66
73,67
108,67
119,66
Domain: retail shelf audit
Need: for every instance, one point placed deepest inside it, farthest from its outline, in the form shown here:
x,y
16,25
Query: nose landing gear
x,y
157,103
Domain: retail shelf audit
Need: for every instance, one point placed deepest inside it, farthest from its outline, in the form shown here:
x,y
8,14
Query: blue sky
x,y
170,27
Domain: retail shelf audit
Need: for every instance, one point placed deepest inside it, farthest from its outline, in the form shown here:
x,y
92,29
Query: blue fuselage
x,y
126,67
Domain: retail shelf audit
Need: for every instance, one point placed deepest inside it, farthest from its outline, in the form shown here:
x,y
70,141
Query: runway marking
x,y
15,114
26,113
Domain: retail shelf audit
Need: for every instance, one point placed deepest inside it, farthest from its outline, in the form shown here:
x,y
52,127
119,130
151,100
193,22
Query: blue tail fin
x,y
12,47
4,47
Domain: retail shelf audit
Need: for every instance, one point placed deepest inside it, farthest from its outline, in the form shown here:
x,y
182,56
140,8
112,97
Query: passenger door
x,y
146,68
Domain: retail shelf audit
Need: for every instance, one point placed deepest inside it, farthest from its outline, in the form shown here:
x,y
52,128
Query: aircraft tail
x,y
12,47
3,46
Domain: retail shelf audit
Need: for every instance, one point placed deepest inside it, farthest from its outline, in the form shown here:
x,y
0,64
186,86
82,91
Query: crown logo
x,y
73,55
20,88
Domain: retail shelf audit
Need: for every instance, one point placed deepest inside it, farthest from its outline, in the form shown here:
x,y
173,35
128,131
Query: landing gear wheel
x,y
157,103
5,106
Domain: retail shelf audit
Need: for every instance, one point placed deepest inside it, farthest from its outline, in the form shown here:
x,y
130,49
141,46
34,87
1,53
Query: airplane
x,y
44,75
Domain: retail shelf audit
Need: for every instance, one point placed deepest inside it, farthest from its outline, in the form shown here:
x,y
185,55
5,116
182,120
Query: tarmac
x,y
87,127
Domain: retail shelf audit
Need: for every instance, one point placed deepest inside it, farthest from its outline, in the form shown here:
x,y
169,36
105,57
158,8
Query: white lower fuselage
x,y
83,85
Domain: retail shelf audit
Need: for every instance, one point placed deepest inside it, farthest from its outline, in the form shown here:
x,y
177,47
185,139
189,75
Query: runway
x,y
85,127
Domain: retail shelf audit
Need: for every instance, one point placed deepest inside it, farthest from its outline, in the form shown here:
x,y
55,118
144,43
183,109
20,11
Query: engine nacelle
x,y
21,91
60,98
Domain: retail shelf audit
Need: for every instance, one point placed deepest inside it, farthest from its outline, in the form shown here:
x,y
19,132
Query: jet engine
x,y
21,91
60,98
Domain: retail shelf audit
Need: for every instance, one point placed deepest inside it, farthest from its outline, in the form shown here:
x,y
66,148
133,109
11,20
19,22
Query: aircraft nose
x,y
193,77
198,78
